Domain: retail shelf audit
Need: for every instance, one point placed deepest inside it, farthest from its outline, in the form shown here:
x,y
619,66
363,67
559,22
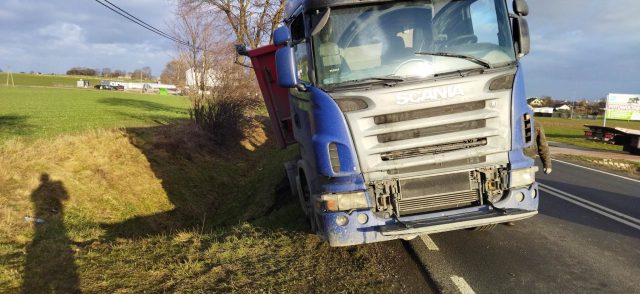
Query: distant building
x,y
82,83
543,111
535,102
129,86
563,107
194,77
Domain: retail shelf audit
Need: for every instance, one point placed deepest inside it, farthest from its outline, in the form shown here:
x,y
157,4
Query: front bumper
x,y
455,222
379,229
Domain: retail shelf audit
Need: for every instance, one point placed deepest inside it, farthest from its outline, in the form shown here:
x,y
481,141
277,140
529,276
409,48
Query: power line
x,y
154,29
141,23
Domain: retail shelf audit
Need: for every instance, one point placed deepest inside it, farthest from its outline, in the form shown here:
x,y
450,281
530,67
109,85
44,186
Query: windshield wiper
x,y
370,80
471,58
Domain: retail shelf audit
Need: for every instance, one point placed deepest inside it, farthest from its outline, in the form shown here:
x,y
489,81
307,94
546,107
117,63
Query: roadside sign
x,y
623,107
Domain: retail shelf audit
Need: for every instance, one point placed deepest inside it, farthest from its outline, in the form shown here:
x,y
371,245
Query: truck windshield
x,y
412,39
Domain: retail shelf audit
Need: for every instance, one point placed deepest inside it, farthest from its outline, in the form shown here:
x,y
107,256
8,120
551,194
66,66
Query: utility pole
x,y
606,109
10,75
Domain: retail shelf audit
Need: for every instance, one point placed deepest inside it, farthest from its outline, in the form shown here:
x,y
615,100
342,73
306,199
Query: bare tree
x,y
175,72
200,31
252,21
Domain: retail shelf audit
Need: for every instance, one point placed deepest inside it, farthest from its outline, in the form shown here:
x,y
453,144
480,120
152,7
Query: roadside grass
x,y
618,166
162,209
571,131
31,112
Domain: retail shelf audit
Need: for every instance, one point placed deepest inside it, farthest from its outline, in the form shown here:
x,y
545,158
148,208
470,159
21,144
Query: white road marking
x,y
429,242
577,198
599,209
595,170
462,285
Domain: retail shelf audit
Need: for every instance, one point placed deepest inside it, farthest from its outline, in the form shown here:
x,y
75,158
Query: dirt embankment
x,y
162,209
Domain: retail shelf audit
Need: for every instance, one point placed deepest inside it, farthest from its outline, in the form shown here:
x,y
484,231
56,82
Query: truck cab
x,y
410,116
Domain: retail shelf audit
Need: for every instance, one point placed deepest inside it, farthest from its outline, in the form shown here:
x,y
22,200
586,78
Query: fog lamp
x,y
520,196
342,220
363,218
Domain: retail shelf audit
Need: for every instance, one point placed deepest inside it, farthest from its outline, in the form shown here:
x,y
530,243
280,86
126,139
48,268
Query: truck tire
x,y
303,194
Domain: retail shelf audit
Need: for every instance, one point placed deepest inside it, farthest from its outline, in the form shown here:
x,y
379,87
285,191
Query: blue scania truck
x,y
410,116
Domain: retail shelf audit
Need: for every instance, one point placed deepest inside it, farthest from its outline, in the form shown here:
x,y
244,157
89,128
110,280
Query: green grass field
x,y
45,80
571,131
34,112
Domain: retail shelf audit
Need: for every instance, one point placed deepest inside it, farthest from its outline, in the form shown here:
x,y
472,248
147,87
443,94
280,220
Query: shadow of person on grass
x,y
50,266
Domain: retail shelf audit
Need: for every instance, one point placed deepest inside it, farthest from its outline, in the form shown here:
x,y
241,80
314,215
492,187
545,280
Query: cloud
x,y
583,49
53,36
63,34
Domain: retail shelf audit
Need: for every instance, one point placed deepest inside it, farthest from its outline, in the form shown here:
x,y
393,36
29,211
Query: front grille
x,y
438,202
423,138
432,150
439,165
437,193
432,131
429,112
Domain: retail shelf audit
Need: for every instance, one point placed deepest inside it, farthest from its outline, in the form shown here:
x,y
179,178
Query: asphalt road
x,y
586,239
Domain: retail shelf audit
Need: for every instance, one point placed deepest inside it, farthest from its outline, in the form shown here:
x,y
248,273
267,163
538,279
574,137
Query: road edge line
x,y
462,285
435,266
595,170
429,242
610,216
593,204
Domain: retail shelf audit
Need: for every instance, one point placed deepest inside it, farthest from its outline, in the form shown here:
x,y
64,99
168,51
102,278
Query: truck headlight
x,y
523,177
344,201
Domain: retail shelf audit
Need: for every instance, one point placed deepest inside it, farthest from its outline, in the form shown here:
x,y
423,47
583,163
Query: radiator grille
x,y
429,112
431,150
447,164
437,193
432,131
437,202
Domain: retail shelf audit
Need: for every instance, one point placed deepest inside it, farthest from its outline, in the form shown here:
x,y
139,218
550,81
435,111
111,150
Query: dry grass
x,y
162,209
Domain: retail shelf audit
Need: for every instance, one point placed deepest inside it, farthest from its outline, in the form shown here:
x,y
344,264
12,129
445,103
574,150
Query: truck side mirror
x,y
286,68
520,7
281,36
285,59
521,36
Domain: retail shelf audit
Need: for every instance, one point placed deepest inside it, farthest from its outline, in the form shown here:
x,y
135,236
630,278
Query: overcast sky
x,y
582,49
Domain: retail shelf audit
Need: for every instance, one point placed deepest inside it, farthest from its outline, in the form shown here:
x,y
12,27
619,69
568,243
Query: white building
x,y
193,78
564,107
535,102
128,85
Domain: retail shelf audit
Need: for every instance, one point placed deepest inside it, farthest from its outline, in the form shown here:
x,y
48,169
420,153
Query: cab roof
x,y
296,6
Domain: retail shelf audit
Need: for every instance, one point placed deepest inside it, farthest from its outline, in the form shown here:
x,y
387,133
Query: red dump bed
x,y
275,97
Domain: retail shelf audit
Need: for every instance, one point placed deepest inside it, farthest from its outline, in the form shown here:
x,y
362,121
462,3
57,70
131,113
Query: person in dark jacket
x,y
540,147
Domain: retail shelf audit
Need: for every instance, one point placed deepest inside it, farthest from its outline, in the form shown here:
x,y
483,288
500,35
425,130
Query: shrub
x,y
227,108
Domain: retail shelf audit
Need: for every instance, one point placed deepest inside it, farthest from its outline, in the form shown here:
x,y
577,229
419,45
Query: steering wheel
x,y
414,67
